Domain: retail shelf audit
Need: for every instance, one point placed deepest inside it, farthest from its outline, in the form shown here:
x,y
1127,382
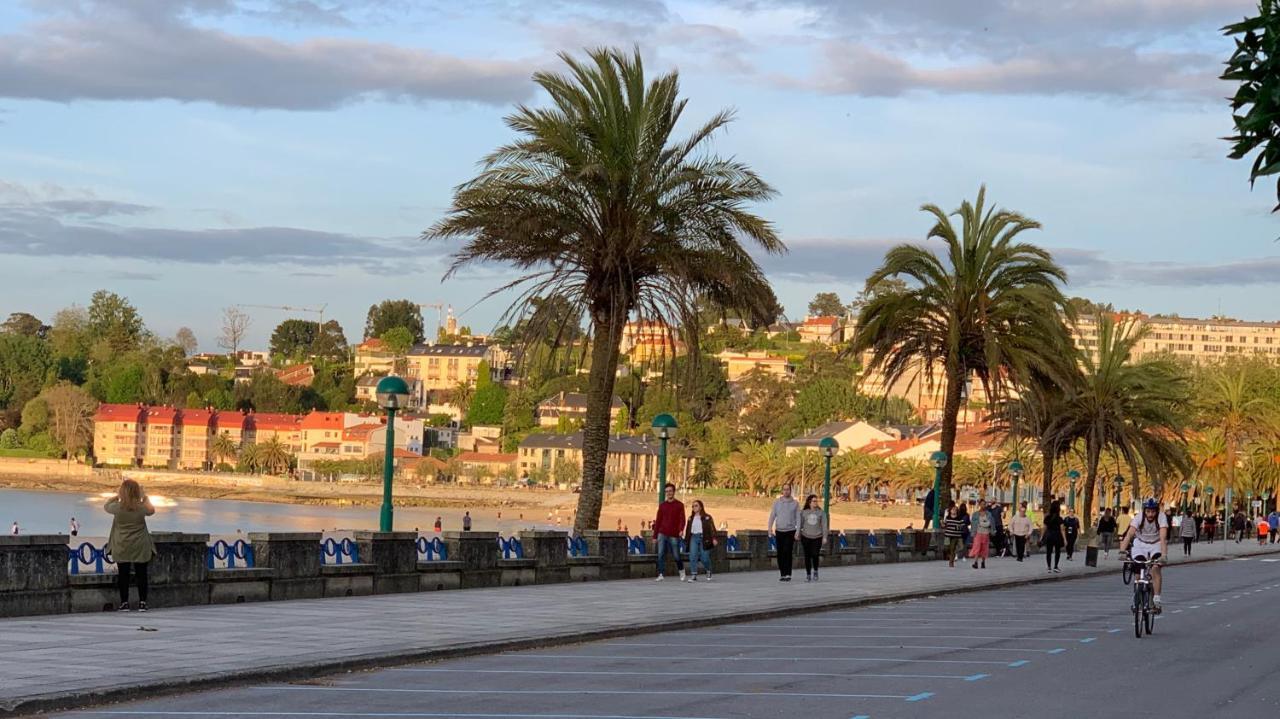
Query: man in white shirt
x,y
1147,536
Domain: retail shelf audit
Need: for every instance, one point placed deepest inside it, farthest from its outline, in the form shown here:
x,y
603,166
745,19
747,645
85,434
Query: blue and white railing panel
x,y
432,550
731,544
88,559
636,545
237,555
339,552
511,548
577,546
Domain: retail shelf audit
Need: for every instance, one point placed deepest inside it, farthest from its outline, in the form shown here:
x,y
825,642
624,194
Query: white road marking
x,y
895,636
451,715
597,657
608,692
558,672
828,646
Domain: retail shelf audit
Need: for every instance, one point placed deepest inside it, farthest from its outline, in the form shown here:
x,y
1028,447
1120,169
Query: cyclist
x,y
1148,534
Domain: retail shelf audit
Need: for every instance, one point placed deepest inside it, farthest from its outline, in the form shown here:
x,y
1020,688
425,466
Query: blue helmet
x,y
1151,503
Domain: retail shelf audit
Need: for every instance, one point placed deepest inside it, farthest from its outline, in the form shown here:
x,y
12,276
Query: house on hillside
x,y
851,434
822,330
571,406
632,460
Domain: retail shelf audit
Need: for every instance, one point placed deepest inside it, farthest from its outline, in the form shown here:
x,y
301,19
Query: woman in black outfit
x,y
1071,530
1055,537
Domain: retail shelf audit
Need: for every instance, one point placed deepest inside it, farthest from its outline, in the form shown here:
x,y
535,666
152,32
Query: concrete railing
x,y
37,577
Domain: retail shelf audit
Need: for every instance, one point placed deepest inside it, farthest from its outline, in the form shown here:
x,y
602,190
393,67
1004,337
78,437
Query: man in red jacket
x,y
667,529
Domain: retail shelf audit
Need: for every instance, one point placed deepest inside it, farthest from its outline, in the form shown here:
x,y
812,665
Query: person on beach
x,y
1188,533
953,532
982,527
1107,527
75,527
438,525
1020,527
813,534
700,535
466,521
14,529
667,528
784,527
1055,536
130,541
1071,530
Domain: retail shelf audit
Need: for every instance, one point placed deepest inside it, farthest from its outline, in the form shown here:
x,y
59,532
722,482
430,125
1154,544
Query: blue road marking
x,y
1114,631
920,697
1086,640
1059,650
1020,662
976,677
860,716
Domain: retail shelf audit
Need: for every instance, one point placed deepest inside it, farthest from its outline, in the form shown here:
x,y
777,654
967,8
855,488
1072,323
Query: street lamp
x,y
938,460
393,394
1118,483
664,427
1186,500
1015,470
1072,477
828,446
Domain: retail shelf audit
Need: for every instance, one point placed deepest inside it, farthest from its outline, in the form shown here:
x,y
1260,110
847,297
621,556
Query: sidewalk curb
x,y
226,679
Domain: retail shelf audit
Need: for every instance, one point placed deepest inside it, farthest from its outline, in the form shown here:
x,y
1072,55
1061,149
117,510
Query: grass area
x,y
27,454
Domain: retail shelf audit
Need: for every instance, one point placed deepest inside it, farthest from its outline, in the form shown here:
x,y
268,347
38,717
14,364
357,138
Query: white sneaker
x,y
708,576
659,579
682,575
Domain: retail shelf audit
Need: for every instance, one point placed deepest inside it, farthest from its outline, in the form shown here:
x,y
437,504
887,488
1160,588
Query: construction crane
x,y
319,312
440,310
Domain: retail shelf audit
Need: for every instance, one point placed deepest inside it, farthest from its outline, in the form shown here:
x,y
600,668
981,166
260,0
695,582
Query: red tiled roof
x,y
197,417
322,420
272,421
822,321
161,415
400,454
327,444
487,457
118,413
229,420
299,375
359,432
373,344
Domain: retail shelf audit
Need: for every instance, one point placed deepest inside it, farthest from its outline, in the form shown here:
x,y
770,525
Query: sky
x,y
196,154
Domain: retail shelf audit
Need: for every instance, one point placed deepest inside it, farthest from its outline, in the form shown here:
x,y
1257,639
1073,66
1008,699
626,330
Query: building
x,y
480,466
970,442
650,341
924,391
119,434
373,357
297,375
367,391
738,364
632,461
261,427
444,367
195,438
480,438
1197,340
572,406
852,435
823,330
163,441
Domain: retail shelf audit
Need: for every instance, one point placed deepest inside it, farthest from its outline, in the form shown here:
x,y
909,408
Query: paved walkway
x,y
75,660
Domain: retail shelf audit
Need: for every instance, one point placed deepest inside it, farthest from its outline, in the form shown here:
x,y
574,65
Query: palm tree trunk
x,y
950,415
595,428
1094,456
1046,487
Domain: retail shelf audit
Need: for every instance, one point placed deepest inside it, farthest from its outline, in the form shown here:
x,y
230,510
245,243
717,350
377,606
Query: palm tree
x,y
273,456
223,448
1233,407
598,206
250,457
989,306
1132,408
1032,414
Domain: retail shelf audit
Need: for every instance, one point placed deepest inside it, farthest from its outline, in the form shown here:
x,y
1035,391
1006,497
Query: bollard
x,y
394,556
477,551
293,558
33,575
547,549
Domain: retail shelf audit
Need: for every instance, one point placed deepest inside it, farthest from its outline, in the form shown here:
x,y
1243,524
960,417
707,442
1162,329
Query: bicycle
x,y
1143,607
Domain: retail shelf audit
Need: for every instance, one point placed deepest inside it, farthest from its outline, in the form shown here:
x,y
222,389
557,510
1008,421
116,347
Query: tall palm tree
x,y
988,305
250,455
1132,408
1033,414
223,448
598,205
1232,405
274,456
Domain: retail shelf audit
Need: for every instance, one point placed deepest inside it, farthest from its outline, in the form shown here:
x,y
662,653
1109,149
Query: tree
x,y
35,415
113,320
70,417
69,336
765,406
293,339
222,448
399,340
1133,409
234,326
123,383
25,362
23,323
186,339
487,405
885,286
988,305
389,314
597,204
1255,111
272,456
9,439
1034,414
825,400
1232,405
826,304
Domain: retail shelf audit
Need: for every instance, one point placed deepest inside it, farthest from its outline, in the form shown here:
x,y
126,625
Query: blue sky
x,y
193,154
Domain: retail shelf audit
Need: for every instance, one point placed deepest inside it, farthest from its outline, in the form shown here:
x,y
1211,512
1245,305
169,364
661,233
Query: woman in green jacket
x,y
130,542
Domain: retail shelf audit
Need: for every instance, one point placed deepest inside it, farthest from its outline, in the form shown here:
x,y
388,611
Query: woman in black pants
x,y
813,534
130,541
1055,537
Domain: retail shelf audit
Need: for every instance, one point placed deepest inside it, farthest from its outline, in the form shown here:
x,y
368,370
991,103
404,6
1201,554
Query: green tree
x,y
70,417
825,400
1231,403
1034,414
25,363
24,323
598,204
622,425
487,405
389,314
123,382
1255,107
398,339
114,320
223,448
272,456
989,305
1134,409
765,406
826,304
9,439
35,415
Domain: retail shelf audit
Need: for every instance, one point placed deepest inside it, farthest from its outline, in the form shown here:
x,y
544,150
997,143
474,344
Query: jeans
x,y
1020,543
812,547
668,545
1071,545
1186,545
698,551
786,550
137,569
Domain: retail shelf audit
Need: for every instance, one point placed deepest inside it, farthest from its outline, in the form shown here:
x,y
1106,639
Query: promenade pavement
x,y
77,660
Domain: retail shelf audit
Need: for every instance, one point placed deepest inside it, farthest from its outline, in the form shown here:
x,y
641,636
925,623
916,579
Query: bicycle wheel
x,y
1137,612
1149,612
1126,573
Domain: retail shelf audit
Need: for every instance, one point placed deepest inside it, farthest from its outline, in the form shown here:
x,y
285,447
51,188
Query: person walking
x,y
1071,530
982,527
466,522
1273,519
130,541
813,535
1020,527
1263,530
999,545
953,532
75,527
700,535
667,528
1107,526
784,527
1237,525
928,509
1188,533
1211,526
14,529
1054,536
438,525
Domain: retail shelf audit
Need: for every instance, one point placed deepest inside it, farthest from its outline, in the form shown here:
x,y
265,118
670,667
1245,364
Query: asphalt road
x,y
1058,649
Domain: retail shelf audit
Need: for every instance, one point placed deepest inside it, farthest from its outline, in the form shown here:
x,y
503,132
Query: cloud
x,y
828,259
152,49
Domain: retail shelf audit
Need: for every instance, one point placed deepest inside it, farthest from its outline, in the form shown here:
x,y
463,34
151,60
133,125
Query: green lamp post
x,y
1186,497
1072,477
664,427
1015,471
938,460
829,447
393,394
1118,483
